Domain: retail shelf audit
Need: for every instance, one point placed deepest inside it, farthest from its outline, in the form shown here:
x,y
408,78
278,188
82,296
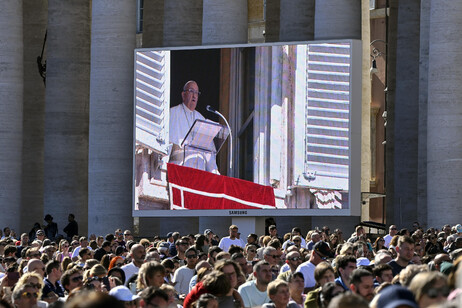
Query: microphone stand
x,y
210,109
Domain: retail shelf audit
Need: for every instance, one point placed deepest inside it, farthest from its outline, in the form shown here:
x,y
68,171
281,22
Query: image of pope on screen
x,y
182,118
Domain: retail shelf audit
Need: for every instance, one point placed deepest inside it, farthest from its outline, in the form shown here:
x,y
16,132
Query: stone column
x,y
35,14
365,108
224,22
11,111
425,7
444,148
66,112
111,116
297,20
336,19
172,23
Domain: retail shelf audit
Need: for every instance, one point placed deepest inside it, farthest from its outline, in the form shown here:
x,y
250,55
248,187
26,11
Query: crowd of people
x,y
322,269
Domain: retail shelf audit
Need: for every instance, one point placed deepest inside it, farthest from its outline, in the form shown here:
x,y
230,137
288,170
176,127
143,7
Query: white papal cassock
x,y
181,120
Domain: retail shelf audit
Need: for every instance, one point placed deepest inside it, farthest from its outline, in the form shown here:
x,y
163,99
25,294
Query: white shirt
x,y
182,277
76,251
226,243
181,120
251,296
387,239
307,269
130,269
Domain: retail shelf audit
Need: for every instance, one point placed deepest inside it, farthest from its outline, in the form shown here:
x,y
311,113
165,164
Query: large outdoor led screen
x,y
294,111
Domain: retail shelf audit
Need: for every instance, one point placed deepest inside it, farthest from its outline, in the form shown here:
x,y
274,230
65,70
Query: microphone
x,y
212,110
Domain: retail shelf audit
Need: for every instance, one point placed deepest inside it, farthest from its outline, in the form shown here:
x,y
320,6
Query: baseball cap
x,y
122,293
170,234
164,245
394,296
362,262
207,231
40,232
459,228
323,248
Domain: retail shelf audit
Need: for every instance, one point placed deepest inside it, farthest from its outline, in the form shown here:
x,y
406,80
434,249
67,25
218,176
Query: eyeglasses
x,y
393,229
191,256
294,258
126,234
193,91
77,279
30,295
435,292
275,256
297,241
184,244
65,246
251,250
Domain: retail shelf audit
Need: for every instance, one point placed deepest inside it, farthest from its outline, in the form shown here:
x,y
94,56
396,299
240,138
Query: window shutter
x,y
152,95
327,116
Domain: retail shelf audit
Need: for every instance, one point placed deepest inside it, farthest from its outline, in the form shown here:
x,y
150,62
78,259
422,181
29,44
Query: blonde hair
x,y
24,280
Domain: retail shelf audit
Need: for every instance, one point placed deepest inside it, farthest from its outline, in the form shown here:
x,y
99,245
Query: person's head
x,y
207,300
53,269
124,295
315,237
151,274
190,94
278,292
118,273
240,259
359,230
348,300
252,238
272,230
392,230
36,266
34,279
231,269
217,283
382,257
429,288
191,257
138,253
72,279
395,296
271,255
10,251
362,283
233,230
262,271
405,248
409,272
85,254
296,283
128,235
181,245
321,252
294,259
71,217
24,239
33,253
344,266
323,273
24,296
383,273
329,291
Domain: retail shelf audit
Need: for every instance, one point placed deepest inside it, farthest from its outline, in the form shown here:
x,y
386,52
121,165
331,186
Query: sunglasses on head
x,y
77,279
436,292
